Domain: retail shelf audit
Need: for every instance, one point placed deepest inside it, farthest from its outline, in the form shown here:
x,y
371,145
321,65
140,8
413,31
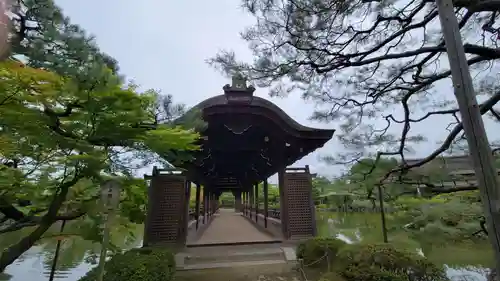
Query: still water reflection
x,y
467,262
76,256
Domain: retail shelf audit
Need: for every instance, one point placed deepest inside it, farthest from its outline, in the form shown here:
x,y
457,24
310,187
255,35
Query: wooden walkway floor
x,y
231,227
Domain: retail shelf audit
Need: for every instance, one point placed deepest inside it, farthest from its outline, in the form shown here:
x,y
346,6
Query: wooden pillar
x,y
283,203
247,200
266,203
218,199
215,201
209,213
211,202
187,218
197,208
243,197
256,202
237,201
246,203
205,219
250,201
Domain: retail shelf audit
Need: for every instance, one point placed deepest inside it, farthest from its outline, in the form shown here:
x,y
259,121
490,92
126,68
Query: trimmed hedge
x,y
383,262
331,276
366,262
316,252
137,265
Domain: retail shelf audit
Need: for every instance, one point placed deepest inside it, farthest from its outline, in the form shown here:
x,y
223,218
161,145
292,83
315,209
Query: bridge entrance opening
x,y
247,139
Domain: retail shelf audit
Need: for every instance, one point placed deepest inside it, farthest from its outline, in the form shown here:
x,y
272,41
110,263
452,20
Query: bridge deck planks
x,y
230,227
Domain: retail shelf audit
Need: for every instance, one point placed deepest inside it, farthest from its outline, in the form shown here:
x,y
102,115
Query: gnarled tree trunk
x,y
15,251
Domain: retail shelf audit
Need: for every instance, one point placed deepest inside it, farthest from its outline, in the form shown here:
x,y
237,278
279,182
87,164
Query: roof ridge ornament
x,y
238,91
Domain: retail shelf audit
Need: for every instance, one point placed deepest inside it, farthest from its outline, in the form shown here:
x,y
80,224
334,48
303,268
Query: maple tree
x,y
59,141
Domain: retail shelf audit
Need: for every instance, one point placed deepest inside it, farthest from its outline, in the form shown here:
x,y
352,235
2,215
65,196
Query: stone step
x,y
240,271
241,256
235,256
233,264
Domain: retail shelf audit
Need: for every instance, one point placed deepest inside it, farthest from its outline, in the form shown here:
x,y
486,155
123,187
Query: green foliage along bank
x,y
137,265
337,261
447,214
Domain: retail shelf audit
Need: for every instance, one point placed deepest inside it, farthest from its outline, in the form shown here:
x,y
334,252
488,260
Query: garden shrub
x,y
315,249
383,262
492,276
331,276
321,207
362,205
137,265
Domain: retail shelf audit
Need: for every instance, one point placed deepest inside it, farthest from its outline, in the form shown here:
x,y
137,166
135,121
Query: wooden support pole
x,y
216,202
266,203
245,203
214,206
250,201
197,208
382,212
204,205
212,202
256,202
187,218
472,121
283,203
208,204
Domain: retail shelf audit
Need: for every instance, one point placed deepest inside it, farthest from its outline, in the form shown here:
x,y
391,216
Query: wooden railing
x,y
271,224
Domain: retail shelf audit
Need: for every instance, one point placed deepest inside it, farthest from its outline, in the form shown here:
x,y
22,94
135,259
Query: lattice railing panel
x,y
166,210
297,190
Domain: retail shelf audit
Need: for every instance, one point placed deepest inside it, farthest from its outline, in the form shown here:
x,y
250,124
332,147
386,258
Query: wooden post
x,y
266,203
256,202
382,212
216,202
183,230
250,201
197,208
283,204
244,203
472,121
56,255
209,203
207,200
204,205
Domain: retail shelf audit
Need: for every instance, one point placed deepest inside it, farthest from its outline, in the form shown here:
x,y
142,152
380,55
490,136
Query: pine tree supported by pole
x,y
479,147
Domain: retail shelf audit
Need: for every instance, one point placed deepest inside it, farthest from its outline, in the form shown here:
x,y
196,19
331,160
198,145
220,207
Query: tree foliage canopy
x,y
60,142
69,122
378,67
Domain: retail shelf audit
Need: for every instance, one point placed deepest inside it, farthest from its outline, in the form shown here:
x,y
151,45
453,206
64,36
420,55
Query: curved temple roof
x,y
235,95
257,101
227,153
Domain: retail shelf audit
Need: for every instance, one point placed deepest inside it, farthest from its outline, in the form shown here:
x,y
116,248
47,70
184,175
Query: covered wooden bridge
x,y
247,139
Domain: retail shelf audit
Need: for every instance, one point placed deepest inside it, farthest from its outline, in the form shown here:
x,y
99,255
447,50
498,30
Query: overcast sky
x,y
164,45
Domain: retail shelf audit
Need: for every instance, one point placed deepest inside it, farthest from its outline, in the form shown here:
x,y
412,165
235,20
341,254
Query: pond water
x,y
464,261
468,262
